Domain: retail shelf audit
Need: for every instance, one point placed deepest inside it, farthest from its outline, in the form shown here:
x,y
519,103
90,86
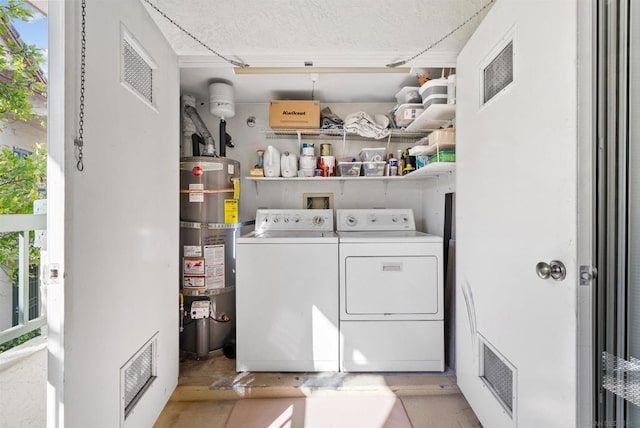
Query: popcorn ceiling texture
x,y
244,28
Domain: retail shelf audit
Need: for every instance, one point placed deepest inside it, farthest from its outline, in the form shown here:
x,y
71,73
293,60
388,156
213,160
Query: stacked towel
x,y
330,120
364,125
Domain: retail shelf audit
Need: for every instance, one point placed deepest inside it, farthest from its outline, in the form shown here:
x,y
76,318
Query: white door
x,y
114,225
516,206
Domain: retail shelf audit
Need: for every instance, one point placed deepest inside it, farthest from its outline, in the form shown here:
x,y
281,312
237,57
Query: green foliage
x,y
19,340
22,181
19,67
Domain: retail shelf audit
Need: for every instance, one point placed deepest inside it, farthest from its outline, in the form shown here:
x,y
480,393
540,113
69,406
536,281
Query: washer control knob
x,y
373,219
405,219
394,219
318,220
296,220
286,220
275,220
351,220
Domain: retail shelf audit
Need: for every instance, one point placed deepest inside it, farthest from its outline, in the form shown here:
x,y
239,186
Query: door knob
x,y
555,269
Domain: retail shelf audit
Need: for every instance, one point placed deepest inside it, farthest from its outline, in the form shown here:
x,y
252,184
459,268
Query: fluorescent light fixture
x,y
324,70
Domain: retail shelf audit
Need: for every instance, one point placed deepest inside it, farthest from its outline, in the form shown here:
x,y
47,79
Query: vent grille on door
x,y
137,73
498,74
498,375
137,375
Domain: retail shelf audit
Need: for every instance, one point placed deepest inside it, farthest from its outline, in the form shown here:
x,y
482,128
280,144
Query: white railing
x,y
23,224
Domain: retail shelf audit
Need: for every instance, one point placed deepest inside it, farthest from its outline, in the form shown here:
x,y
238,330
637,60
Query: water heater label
x,y
230,210
214,266
193,282
196,196
192,251
194,266
231,169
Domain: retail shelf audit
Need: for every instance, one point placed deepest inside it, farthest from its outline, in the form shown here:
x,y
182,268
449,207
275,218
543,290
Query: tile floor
x,y
209,389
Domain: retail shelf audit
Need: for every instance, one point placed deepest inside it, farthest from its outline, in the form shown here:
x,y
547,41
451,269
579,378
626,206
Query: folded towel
x,y
364,125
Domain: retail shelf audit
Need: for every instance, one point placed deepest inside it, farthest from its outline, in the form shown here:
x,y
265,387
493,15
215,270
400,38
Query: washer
x,y
287,293
391,292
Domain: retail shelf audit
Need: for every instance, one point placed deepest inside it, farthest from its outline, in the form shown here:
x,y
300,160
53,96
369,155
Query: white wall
x,y
23,134
120,218
353,194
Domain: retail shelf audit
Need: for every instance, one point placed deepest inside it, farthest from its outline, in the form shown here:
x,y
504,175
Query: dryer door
x,y
391,285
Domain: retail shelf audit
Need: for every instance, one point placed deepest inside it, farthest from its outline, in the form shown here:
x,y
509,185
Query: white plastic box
x,y
373,169
407,113
434,99
349,169
434,87
408,95
372,155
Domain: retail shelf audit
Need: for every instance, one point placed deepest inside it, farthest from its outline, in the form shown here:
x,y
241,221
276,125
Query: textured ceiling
x,y
326,32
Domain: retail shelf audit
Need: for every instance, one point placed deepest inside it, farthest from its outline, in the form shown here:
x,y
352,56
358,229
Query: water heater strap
x,y
206,190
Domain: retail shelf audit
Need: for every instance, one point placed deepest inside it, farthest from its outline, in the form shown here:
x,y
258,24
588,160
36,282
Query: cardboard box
x,y
294,115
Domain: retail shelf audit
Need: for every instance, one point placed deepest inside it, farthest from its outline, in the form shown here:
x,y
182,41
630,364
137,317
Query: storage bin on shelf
x,y
374,169
446,156
433,87
349,169
409,95
372,154
442,136
407,113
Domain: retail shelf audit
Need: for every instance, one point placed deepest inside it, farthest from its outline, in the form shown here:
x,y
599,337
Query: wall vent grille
x,y
137,375
137,71
498,74
498,376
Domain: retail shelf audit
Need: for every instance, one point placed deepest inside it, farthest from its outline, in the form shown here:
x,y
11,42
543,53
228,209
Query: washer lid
x,y
388,236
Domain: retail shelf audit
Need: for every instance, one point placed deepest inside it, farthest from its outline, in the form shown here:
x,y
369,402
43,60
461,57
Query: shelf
x,y
396,135
431,170
434,117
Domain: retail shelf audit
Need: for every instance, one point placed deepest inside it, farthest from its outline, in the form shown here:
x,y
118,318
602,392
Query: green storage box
x,y
449,156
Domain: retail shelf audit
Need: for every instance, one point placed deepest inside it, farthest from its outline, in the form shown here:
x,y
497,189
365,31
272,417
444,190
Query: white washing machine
x,y
287,293
391,292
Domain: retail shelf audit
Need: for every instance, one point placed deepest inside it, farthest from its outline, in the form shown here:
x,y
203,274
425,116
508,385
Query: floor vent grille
x,y
499,375
137,375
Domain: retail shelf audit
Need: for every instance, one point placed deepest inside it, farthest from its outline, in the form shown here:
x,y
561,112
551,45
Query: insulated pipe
x,y
223,137
202,337
209,144
181,309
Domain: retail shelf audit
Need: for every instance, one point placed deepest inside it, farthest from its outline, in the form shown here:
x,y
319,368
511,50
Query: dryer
x,y
391,292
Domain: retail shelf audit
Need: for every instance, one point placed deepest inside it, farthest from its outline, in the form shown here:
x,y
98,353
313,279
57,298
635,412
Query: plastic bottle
x,y
400,161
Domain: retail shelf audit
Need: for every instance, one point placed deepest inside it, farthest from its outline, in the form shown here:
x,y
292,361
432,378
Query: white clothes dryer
x,y
391,292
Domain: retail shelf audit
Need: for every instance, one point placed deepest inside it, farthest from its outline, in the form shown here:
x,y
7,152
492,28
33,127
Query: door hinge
x,y
587,274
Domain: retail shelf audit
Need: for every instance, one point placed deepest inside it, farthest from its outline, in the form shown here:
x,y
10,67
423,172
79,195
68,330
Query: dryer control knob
x,y
317,220
351,220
